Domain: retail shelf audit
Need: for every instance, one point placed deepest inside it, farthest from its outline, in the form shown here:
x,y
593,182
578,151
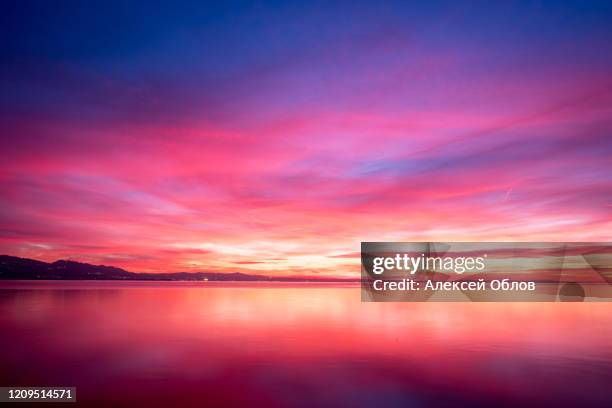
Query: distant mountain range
x,y
12,267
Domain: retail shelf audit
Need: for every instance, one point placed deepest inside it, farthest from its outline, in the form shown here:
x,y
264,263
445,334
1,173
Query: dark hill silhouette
x,y
12,267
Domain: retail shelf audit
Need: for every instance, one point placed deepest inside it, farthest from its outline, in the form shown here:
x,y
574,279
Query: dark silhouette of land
x,y
14,268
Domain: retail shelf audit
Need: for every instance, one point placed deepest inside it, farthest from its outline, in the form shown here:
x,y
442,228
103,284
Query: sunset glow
x,y
274,140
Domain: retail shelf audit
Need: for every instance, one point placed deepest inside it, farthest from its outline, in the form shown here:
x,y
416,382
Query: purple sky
x,y
273,138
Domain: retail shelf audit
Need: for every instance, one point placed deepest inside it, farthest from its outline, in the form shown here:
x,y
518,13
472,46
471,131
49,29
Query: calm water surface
x,y
205,344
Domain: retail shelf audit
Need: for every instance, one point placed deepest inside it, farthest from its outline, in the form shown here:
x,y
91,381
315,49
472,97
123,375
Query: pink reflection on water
x,y
279,344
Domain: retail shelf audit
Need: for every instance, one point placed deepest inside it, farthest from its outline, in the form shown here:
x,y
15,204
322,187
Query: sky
x,y
274,137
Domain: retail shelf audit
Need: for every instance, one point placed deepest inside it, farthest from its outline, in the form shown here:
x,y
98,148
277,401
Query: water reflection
x,y
279,345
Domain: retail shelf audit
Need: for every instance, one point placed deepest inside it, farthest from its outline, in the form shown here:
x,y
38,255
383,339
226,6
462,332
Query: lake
x,y
277,344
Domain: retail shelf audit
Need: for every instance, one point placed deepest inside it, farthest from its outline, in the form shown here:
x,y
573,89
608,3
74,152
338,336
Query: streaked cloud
x,y
276,139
